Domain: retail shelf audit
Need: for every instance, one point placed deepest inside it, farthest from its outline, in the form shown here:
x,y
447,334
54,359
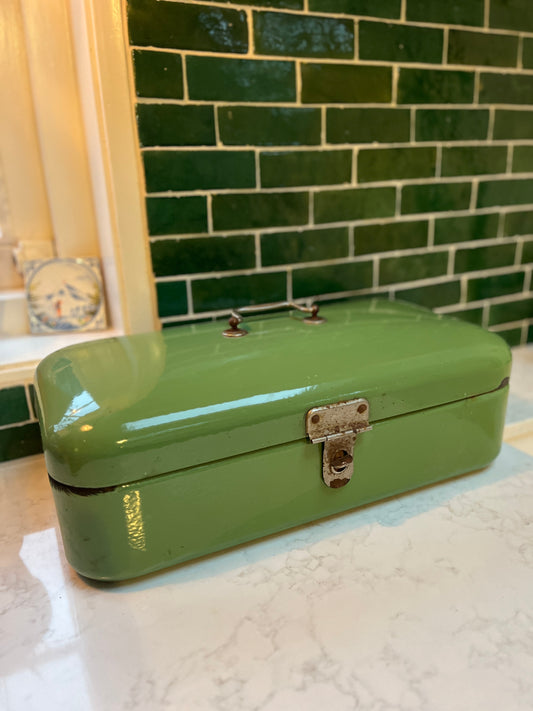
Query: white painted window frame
x,y
83,96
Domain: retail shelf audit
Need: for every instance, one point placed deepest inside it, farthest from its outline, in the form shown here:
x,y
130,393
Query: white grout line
x,y
393,254
477,80
485,314
510,152
257,241
375,272
16,424
518,253
464,289
339,187
527,280
486,14
289,285
451,260
520,52
257,159
438,161
394,92
185,82
351,242
445,46
490,130
429,66
190,304
518,143
414,217
412,125
431,232
473,195
29,403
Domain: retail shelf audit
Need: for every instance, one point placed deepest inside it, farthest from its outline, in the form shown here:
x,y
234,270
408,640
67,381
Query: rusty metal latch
x,y
337,426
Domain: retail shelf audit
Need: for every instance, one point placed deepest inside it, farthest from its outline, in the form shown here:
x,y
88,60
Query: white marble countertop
x,y
421,603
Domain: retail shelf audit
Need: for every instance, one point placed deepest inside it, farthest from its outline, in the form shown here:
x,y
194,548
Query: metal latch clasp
x,y
337,426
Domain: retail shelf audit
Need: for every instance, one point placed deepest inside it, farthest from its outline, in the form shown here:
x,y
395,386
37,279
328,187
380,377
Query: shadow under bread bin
x,y
165,446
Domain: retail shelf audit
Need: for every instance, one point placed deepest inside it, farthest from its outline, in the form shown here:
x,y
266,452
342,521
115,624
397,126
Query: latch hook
x,y
337,426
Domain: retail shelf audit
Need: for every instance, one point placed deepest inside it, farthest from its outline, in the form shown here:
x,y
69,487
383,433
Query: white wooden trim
x,y
59,126
109,118
21,172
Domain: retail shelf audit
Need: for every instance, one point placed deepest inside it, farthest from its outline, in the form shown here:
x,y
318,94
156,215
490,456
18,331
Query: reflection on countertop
x,y
419,602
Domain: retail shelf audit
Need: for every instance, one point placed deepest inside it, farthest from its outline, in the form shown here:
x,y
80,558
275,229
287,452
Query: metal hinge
x,y
337,426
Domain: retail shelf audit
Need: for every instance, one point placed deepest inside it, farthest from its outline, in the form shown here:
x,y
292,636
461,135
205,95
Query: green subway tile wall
x,y
332,148
338,148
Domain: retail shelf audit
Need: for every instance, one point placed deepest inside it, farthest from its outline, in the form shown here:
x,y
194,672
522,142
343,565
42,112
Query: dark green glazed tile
x,y
530,334
435,197
504,192
268,126
206,254
527,53
277,4
230,292
158,74
470,315
355,204
369,239
168,125
518,223
471,260
218,79
527,253
235,212
473,160
327,83
304,246
170,216
305,168
412,268
182,26
432,296
511,15
395,163
399,43
171,298
453,12
481,48
449,230
198,170
331,279
21,441
511,311
283,34
367,125
383,8
505,89
489,287
435,86
452,124
513,124
522,159
13,405
512,336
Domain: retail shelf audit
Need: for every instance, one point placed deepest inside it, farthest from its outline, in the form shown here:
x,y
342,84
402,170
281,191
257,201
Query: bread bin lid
x,y
124,409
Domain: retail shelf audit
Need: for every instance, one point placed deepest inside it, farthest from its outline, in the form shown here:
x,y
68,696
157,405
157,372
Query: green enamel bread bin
x,y
165,446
